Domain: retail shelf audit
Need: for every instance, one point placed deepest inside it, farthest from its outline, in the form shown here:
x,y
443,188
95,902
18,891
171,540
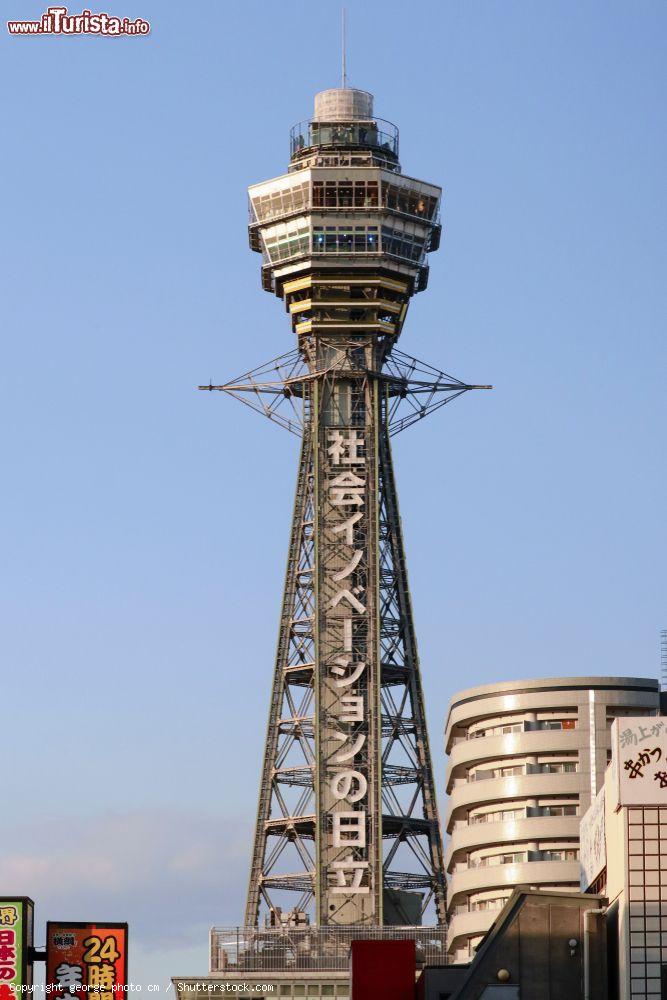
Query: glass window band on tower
x,y
362,189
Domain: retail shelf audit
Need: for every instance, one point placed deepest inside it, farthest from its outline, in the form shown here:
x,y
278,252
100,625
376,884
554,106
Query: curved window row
x,y
491,860
495,903
345,239
521,726
294,240
485,774
544,766
345,194
498,816
475,905
515,812
287,241
275,199
411,200
524,857
562,810
273,202
401,243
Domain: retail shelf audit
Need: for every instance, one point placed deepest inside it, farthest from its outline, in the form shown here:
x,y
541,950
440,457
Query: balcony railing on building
x,y
519,770
327,949
376,134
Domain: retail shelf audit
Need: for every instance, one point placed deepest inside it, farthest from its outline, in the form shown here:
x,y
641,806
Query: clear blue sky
x,y
144,525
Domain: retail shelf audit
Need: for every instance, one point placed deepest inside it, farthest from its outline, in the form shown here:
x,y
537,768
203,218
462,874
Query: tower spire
x,y
343,75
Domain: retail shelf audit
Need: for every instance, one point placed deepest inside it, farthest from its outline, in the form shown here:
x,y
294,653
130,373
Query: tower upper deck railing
x,y
326,949
373,134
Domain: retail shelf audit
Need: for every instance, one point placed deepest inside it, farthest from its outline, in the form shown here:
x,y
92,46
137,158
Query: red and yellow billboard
x,y
16,917
84,959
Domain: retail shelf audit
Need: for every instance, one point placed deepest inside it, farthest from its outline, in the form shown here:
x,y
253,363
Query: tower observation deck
x,y
347,827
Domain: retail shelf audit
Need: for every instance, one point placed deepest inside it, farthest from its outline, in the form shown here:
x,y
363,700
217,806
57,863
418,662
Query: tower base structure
x,y
543,945
298,962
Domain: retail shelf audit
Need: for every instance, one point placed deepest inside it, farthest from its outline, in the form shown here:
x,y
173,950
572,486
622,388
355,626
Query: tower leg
x,y
411,830
346,547
283,864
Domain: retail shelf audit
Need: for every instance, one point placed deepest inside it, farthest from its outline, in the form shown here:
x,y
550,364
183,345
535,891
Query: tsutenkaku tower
x,y
347,825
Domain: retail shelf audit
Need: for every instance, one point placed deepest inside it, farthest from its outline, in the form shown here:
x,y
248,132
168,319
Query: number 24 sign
x,y
86,958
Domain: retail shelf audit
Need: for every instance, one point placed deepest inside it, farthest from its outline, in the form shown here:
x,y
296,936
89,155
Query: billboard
x,y
593,852
86,958
16,922
639,761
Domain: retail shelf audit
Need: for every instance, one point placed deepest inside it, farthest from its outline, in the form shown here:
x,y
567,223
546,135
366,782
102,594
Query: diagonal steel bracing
x,y
292,857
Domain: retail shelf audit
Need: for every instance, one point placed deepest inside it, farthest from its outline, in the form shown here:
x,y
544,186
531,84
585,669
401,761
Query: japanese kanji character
x,y
342,756
69,976
340,666
101,977
627,737
347,635
346,595
351,442
352,706
644,733
349,829
343,782
7,937
348,527
7,953
8,915
348,864
347,490
351,566
635,769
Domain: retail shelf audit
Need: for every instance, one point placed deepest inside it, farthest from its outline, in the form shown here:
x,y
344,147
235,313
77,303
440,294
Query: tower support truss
x,y
347,826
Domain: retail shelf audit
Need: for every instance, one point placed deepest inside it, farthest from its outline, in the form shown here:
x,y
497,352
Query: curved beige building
x,y
525,759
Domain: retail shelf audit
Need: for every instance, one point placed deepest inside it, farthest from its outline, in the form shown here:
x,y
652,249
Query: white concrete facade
x,y
525,760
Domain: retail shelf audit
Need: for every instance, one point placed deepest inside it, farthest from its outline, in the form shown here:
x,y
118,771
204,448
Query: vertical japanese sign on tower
x,y
347,659
84,959
16,929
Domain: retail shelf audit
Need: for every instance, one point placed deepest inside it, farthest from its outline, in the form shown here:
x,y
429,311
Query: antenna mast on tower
x,y
343,75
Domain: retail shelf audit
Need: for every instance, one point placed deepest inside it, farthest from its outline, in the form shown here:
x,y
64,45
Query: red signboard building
x,y
84,959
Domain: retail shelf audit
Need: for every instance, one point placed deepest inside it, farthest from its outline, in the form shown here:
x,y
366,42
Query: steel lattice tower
x,y
347,824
